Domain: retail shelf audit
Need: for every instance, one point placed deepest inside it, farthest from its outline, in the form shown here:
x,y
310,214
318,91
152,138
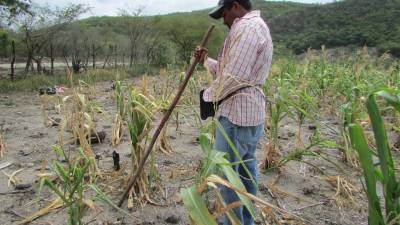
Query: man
x,y
241,68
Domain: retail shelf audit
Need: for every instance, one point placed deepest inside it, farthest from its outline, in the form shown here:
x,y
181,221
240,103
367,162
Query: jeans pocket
x,y
250,135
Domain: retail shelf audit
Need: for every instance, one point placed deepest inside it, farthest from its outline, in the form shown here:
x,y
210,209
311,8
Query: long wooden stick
x,y
166,117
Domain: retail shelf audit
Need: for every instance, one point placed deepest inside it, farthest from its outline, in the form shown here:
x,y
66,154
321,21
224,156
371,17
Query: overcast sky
x,y
151,7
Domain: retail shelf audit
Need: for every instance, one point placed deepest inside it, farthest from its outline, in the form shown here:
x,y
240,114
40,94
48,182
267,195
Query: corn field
x,y
332,133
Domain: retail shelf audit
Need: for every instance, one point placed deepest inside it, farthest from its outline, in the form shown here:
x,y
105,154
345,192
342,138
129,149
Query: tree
x,y
40,27
135,25
4,43
11,8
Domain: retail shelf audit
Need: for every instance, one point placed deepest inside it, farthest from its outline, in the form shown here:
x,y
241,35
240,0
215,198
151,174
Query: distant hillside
x,y
192,21
351,22
298,26
171,38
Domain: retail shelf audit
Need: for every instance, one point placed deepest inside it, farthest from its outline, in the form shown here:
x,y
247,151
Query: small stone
x,y
22,186
312,127
172,219
308,191
25,128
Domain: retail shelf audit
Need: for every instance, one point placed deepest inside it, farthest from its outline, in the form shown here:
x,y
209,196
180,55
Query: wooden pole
x,y
52,59
165,119
12,60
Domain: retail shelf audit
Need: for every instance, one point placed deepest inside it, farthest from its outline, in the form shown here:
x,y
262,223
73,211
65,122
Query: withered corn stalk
x,y
140,115
120,116
165,119
78,120
2,147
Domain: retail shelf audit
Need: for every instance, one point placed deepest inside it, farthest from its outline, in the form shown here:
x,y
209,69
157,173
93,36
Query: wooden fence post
x,y
12,75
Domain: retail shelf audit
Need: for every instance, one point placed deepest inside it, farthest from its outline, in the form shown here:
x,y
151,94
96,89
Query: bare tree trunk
x,y
105,61
28,62
12,75
86,60
93,56
132,56
66,62
38,61
32,66
115,57
52,59
123,60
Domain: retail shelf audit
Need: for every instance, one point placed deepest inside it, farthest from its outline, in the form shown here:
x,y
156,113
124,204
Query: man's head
x,y
229,10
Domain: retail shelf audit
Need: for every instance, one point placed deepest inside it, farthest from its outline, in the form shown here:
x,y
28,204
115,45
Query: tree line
x,y
34,34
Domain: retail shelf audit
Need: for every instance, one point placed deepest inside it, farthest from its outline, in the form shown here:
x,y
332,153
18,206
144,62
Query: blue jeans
x,y
245,140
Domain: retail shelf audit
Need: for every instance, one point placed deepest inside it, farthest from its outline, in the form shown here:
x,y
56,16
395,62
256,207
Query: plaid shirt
x,y
244,61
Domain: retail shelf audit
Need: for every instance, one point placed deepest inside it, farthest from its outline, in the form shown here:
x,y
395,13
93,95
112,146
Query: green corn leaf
x,y
235,151
53,187
205,143
378,174
361,146
61,153
61,172
196,207
41,185
392,96
235,180
384,154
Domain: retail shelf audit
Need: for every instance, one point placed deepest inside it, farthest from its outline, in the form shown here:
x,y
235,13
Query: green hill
x,y
169,39
375,23
352,22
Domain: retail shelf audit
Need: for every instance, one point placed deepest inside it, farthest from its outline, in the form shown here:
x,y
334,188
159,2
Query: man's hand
x,y
200,53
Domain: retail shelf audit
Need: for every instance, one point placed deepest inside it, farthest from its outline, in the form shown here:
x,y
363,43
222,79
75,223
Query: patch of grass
x,y
34,82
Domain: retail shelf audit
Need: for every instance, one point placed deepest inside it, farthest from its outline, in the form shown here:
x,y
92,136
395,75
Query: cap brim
x,y
217,12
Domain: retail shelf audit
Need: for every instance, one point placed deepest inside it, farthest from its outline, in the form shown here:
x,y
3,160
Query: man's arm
x,y
236,65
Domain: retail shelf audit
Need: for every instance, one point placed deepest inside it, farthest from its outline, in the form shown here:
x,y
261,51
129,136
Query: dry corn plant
x,y
164,144
120,116
164,92
200,214
80,122
2,146
117,132
277,109
12,178
145,85
270,216
77,119
345,191
216,162
140,114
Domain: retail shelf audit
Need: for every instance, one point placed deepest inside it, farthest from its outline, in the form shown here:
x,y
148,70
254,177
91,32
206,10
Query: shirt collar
x,y
249,15
252,14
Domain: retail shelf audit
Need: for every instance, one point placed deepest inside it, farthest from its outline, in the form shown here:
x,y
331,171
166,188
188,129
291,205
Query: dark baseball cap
x,y
217,12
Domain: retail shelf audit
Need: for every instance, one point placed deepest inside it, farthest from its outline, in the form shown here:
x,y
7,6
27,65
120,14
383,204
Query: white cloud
x,y
151,7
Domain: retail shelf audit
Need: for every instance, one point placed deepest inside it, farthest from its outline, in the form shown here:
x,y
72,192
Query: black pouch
x,y
207,109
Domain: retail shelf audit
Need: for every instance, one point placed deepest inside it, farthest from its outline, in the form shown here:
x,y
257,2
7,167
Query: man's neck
x,y
243,13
